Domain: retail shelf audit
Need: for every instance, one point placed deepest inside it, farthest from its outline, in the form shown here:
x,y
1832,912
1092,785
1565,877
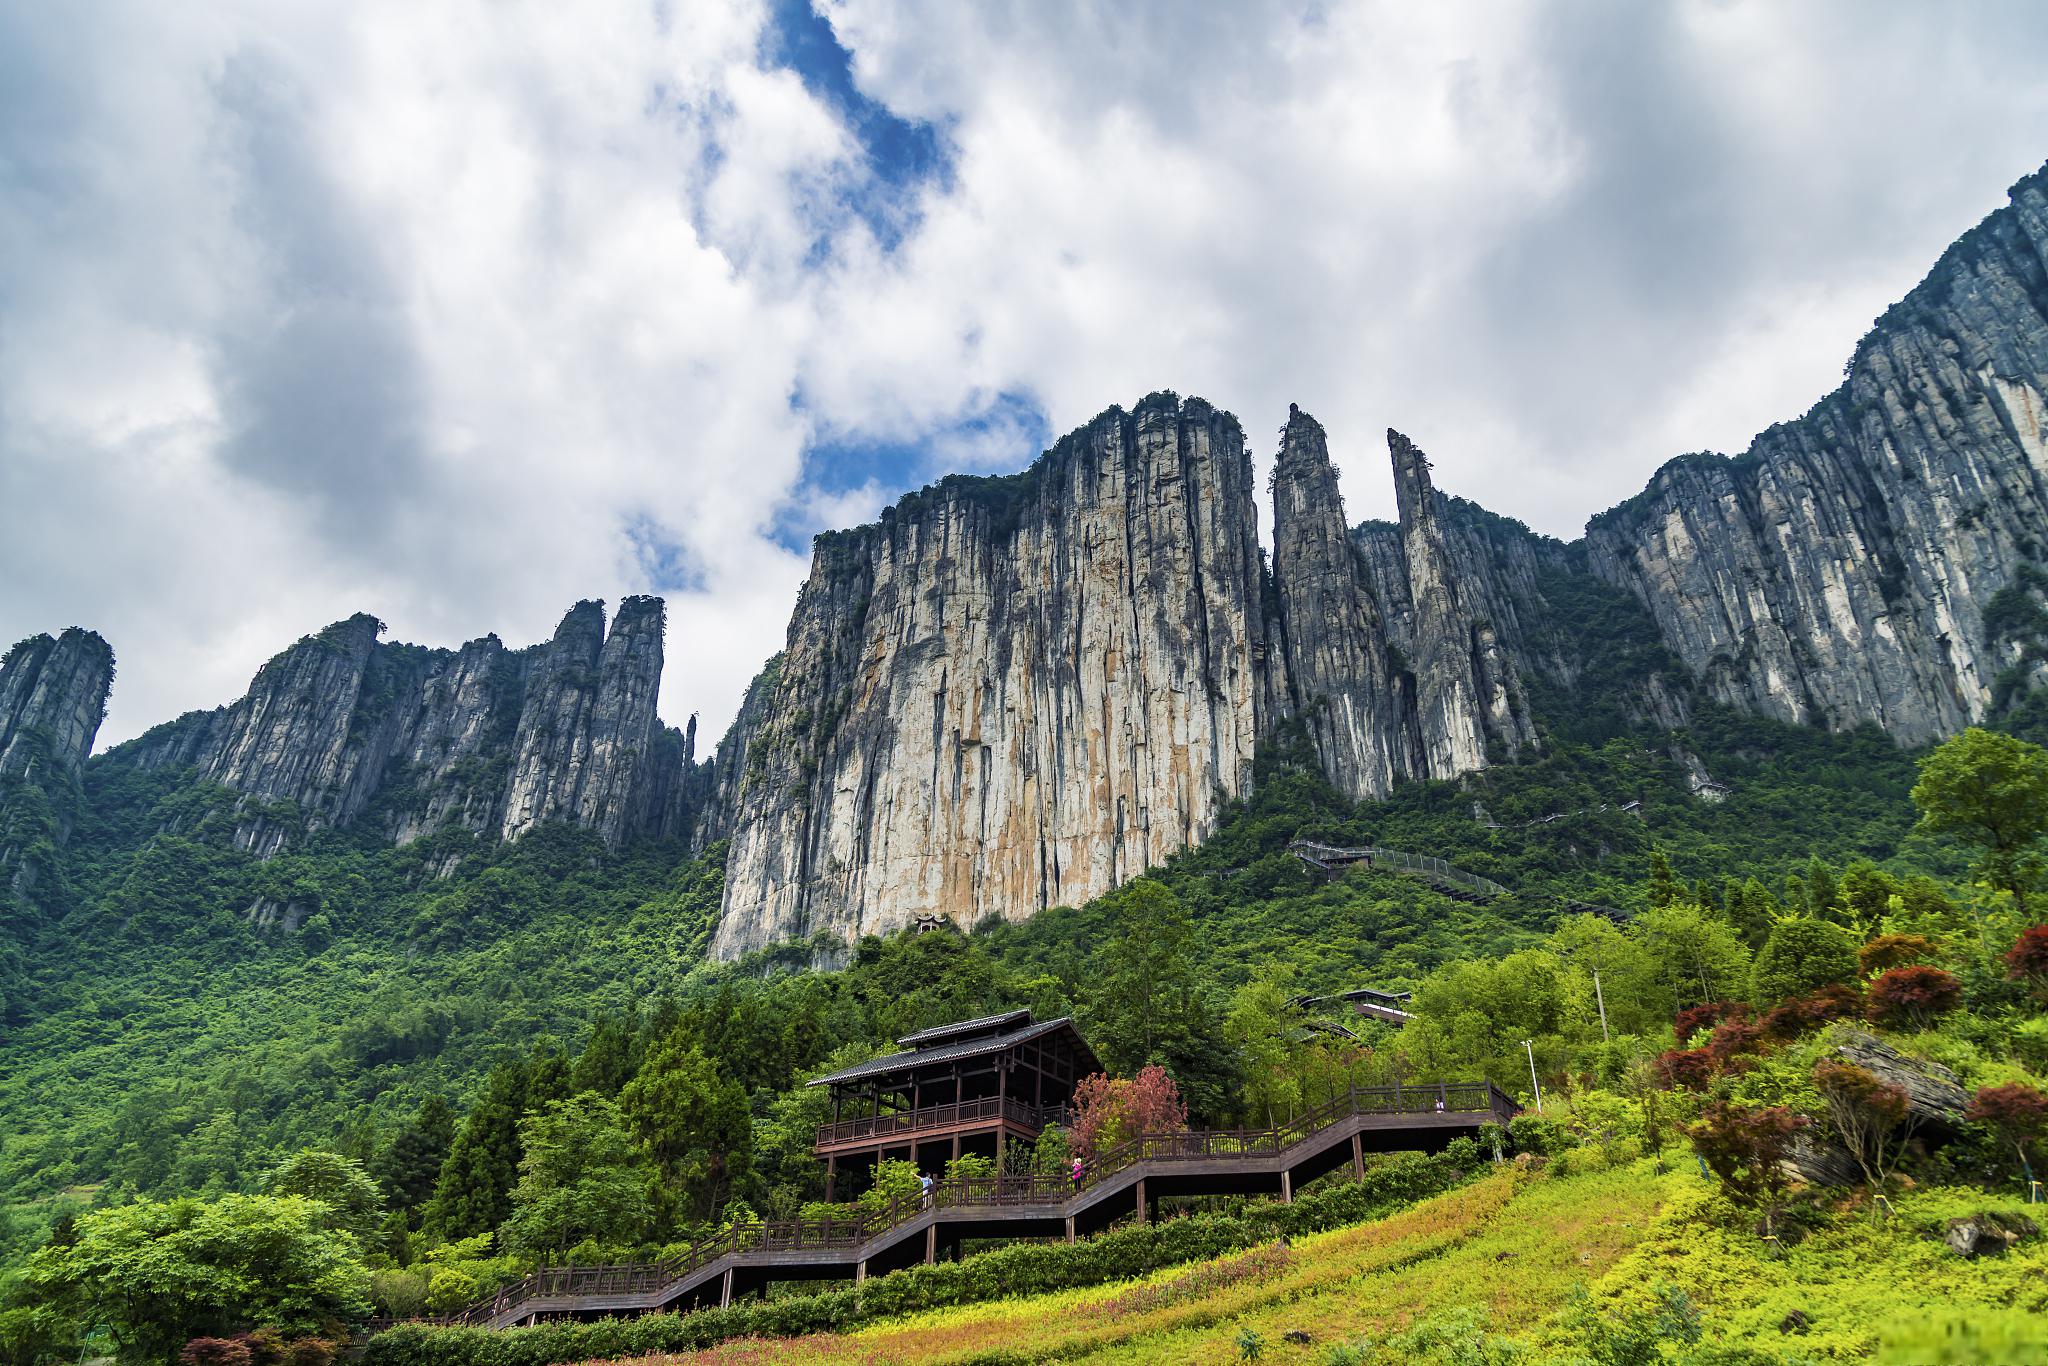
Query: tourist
x,y
1077,1173
924,1184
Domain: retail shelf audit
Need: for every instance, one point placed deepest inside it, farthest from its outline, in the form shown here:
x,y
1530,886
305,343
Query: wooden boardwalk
x,y
1129,1179
1451,881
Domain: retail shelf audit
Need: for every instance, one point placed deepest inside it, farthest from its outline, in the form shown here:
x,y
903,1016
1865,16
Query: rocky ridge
x,y
341,727
1014,692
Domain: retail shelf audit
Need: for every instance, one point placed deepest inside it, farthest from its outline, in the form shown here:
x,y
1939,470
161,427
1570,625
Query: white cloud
x,y
457,313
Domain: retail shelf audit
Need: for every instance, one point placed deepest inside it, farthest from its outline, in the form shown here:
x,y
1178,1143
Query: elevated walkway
x,y
1129,1179
1455,882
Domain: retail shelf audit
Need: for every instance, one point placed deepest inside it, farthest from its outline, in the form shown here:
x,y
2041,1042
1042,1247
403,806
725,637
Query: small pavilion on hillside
x,y
958,1088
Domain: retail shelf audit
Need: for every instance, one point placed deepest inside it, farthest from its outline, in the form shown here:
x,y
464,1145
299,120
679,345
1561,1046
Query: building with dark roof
x,y
959,1088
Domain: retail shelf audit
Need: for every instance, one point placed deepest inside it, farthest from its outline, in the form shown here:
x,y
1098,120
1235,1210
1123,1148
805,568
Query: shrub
x,y
1802,1014
1868,1114
215,1352
1706,1015
1912,997
1686,1069
2027,959
1747,1149
1802,956
2017,1113
1889,951
1538,1134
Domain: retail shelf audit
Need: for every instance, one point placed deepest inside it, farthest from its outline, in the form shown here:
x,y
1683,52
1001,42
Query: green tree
x,y
692,1121
1665,888
581,1177
1991,791
1803,955
1149,1005
354,1203
607,1062
154,1274
1699,957
411,1163
473,1193
1146,976
1260,1026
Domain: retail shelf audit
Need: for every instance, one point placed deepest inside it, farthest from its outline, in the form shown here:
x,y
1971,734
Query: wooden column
x,y
831,1177
1070,1228
860,1271
725,1291
956,1146
1286,1187
1357,1157
931,1243
1143,1213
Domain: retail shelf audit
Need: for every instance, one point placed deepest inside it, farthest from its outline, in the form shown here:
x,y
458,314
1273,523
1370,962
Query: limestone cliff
x,y
53,695
341,727
1840,570
1008,693
1359,710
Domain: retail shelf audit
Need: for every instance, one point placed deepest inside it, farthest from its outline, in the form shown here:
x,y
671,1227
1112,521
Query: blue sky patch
x,y
902,156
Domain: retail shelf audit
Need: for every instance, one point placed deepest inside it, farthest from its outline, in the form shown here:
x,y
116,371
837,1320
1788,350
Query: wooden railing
x,y
847,1233
906,1122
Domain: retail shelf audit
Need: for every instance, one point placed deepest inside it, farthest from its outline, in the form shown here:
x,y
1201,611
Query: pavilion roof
x,y
978,1046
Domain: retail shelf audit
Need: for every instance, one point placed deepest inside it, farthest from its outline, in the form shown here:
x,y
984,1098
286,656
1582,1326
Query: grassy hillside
x,y
1580,1262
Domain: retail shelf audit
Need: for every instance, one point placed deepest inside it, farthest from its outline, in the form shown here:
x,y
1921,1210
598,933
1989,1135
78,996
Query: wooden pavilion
x,y
958,1088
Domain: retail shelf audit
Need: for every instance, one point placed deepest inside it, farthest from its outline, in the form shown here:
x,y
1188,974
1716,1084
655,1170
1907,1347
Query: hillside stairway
x,y
1129,1179
1454,882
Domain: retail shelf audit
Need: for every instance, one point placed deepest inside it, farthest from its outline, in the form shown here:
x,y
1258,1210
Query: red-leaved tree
x,y
1112,1110
1802,1014
1686,1069
1747,1150
1706,1015
1873,1118
2027,959
2017,1113
1912,997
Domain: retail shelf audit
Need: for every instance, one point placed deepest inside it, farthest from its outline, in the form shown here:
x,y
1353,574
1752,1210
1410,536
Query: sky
x,y
457,313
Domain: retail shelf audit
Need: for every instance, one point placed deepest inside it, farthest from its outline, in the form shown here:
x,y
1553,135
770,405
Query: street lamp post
x,y
1531,1048
1601,997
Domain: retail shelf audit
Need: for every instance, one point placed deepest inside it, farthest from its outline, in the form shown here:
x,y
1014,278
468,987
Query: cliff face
x,y
1358,709
53,695
1008,694
1840,570
486,739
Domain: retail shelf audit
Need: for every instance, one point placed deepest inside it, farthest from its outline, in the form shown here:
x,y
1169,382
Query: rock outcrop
x,y
1840,570
340,727
53,696
1358,708
1009,693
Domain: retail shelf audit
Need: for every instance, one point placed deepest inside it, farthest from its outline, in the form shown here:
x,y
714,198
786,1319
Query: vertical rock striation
x,y
340,727
1340,677
1839,571
53,696
1008,693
